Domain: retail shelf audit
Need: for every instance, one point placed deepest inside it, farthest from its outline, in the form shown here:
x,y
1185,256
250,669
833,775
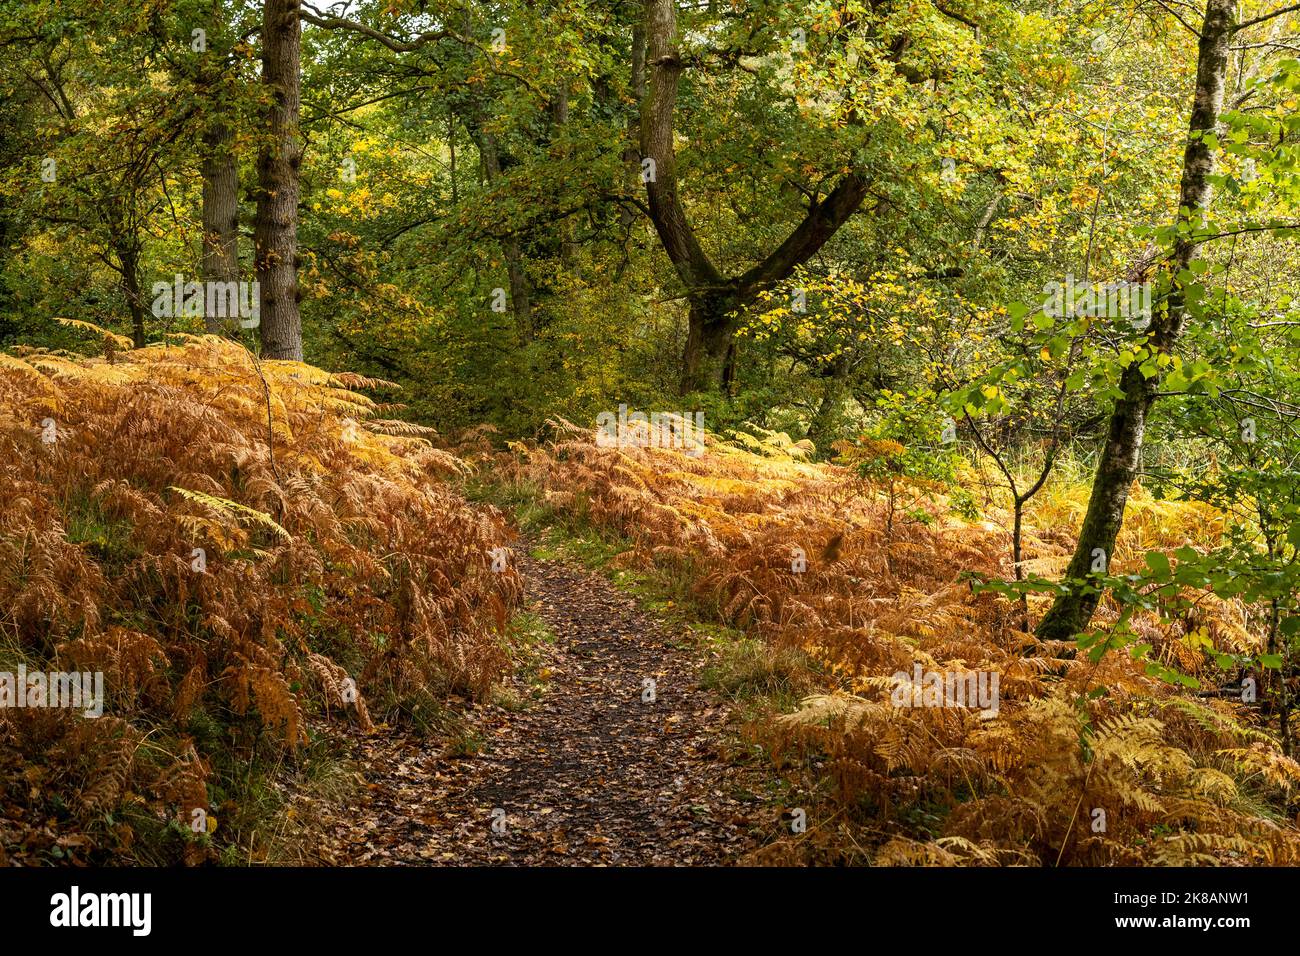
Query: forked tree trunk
x,y
275,233
714,300
1121,456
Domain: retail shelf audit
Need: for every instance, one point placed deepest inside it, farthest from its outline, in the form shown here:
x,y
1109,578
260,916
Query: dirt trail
x,y
592,773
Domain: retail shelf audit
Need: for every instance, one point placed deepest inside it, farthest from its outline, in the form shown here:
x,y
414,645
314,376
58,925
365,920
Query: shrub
x,y
246,551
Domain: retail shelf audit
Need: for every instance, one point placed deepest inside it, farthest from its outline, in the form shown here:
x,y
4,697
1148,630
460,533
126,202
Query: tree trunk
x,y
220,219
517,277
1283,698
821,428
520,297
275,232
559,120
714,299
129,258
704,360
1121,456
631,152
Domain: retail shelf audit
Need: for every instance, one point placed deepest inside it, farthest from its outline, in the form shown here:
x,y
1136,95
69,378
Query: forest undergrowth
x,y
254,556
1083,763
251,554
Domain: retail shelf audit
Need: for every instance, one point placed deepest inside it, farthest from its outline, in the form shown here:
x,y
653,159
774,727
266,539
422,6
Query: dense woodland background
x,y
830,231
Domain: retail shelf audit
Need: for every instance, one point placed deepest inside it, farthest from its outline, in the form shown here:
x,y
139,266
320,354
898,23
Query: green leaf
x,y
1158,562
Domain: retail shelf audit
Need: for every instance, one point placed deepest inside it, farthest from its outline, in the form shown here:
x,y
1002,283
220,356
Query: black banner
x,y
340,907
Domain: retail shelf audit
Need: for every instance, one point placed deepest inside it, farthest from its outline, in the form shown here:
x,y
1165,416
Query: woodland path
x,y
589,774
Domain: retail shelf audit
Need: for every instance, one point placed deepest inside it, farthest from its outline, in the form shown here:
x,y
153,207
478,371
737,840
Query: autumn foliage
x,y
1084,763
250,554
